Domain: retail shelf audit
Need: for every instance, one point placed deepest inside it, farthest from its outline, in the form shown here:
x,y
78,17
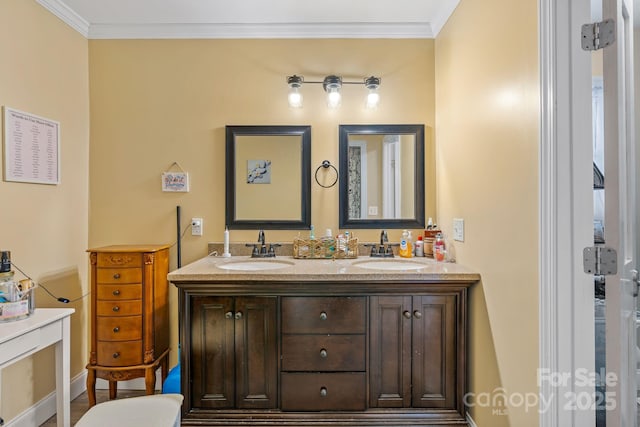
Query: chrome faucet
x,y
262,252
385,250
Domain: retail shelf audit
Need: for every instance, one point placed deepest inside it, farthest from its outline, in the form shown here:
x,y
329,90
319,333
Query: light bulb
x,y
295,98
373,99
333,98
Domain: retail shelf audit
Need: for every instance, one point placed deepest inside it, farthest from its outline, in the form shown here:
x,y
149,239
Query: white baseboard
x,y
46,408
470,421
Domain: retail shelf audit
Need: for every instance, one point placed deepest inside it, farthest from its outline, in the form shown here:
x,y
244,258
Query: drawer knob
x,y
417,314
116,276
323,392
228,315
116,308
406,314
323,353
323,316
116,354
116,329
116,292
239,315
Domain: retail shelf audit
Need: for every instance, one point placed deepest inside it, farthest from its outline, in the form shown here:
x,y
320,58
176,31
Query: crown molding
x,y
261,31
67,15
447,10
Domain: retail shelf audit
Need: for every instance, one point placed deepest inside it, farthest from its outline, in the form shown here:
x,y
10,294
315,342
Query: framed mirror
x,y
382,176
268,177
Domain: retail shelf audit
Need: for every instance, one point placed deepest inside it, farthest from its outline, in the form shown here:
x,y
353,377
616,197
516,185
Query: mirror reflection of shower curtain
x,y
355,181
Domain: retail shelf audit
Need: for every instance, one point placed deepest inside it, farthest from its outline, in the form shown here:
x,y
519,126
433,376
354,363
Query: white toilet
x,y
157,410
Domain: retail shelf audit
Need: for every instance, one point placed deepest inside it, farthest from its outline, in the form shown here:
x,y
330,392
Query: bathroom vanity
x,y
287,342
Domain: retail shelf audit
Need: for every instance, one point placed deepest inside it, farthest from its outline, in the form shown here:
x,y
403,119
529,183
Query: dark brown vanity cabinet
x,y
233,352
275,353
415,361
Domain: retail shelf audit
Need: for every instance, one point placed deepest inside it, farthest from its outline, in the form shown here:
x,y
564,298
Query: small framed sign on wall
x,y
31,148
175,181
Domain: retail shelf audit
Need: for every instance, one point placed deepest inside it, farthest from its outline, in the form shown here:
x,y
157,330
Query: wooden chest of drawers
x,y
323,353
130,315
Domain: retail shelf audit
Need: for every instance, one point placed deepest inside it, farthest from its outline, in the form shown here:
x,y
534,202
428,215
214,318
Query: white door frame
x,y
565,164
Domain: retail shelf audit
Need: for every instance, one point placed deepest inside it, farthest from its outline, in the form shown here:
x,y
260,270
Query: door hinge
x,y
598,34
600,261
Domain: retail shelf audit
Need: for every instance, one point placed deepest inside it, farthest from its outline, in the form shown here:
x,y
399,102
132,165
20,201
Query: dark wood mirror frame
x,y
419,197
304,132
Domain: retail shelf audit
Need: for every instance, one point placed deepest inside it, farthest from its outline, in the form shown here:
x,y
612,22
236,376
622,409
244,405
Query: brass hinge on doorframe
x,y
598,34
600,261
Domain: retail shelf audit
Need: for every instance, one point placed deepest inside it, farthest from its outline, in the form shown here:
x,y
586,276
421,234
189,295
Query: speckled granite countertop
x,y
287,268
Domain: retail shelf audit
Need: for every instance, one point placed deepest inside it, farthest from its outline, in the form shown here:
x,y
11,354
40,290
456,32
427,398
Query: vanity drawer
x,y
119,292
119,308
119,275
323,315
120,328
119,353
119,259
323,392
323,353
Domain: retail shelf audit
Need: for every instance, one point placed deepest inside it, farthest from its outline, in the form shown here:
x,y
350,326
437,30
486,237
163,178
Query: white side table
x,y
22,338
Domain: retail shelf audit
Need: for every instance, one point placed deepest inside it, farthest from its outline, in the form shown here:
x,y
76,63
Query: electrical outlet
x,y
373,210
196,226
458,229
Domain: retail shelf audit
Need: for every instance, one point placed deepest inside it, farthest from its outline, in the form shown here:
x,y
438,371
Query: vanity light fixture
x,y
332,85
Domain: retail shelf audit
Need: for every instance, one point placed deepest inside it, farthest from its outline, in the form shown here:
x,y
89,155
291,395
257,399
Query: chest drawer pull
x,y
417,314
116,292
116,329
229,315
406,314
323,392
116,308
116,276
323,353
323,315
116,354
239,315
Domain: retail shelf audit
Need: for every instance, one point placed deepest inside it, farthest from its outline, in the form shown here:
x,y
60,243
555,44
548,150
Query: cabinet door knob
x,y
116,329
116,276
116,354
228,315
417,314
323,353
323,392
116,292
238,315
323,316
116,308
406,314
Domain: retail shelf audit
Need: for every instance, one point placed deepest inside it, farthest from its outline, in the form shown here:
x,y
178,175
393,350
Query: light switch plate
x,y
458,229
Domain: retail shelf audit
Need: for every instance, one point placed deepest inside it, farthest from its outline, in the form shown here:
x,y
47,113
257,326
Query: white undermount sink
x,y
389,264
255,265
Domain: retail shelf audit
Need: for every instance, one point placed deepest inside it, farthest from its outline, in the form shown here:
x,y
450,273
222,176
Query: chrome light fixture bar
x,y
332,85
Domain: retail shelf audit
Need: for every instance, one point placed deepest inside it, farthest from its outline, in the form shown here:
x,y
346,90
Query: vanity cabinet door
x,y
234,352
413,351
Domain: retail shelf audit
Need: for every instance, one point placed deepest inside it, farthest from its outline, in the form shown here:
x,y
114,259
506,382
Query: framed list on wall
x,y
31,148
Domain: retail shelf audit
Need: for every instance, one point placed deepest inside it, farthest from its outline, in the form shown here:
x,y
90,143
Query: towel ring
x,y
325,165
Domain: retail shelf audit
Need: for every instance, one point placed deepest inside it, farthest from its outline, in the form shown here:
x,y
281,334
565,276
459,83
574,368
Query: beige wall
x,y
487,120
154,102
45,72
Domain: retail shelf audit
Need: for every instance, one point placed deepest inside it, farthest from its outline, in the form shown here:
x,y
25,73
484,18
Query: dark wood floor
x,y
80,405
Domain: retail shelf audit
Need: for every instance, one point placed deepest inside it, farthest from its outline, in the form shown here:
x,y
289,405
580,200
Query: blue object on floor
x,y
172,383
